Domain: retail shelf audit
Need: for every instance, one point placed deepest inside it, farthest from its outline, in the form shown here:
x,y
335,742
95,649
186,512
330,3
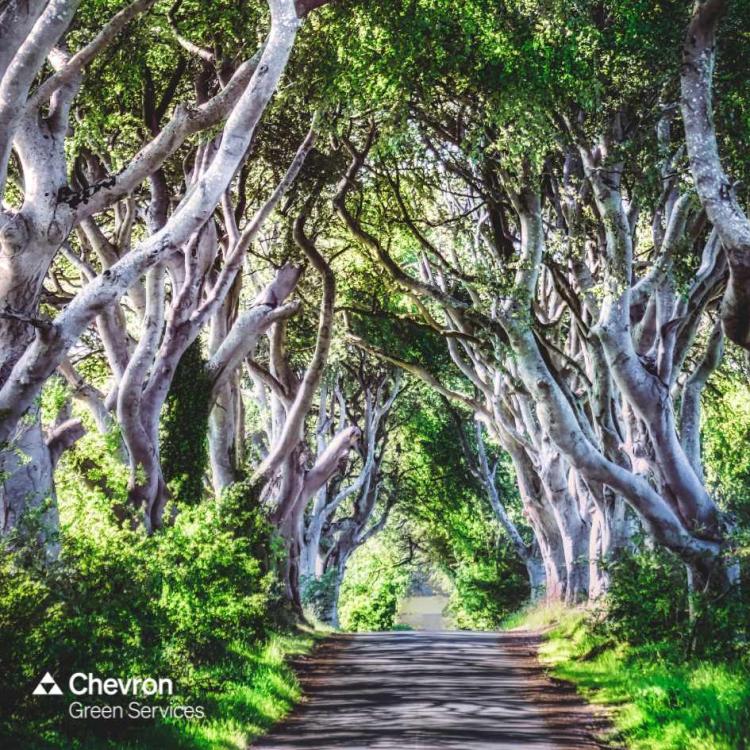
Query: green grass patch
x,y
246,706
536,617
655,703
243,698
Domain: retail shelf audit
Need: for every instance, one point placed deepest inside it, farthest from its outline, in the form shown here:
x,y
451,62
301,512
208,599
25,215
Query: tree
x,y
570,271
340,518
41,212
715,189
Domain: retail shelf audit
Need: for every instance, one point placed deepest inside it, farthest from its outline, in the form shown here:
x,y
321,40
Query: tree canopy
x,y
278,279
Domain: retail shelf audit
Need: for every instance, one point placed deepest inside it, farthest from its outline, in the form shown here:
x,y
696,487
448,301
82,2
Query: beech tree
x,y
715,188
553,198
340,518
577,290
40,81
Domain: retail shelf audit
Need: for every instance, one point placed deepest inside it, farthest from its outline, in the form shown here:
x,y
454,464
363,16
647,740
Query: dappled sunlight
x,y
425,690
374,373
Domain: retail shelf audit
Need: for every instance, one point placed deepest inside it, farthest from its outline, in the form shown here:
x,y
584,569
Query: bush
x,y
375,582
119,603
486,591
318,593
648,605
217,585
647,600
372,609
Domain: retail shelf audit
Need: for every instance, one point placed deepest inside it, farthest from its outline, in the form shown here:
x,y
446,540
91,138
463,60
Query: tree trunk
x,y
29,240
330,615
535,569
27,487
574,530
715,188
286,516
222,425
222,437
541,519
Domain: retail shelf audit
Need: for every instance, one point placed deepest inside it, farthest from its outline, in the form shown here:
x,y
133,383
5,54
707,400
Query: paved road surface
x,y
432,691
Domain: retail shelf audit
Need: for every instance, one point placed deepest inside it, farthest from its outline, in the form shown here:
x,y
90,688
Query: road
x,y
432,691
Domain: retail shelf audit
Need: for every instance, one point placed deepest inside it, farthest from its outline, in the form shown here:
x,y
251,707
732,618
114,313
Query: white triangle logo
x,y
47,686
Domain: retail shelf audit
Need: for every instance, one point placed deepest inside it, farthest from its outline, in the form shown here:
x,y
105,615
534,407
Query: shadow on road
x,y
424,690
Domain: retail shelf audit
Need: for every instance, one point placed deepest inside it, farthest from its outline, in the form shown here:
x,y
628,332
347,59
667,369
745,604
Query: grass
x,y
537,617
262,689
247,706
655,704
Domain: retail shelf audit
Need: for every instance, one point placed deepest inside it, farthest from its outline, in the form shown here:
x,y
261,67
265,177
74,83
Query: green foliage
x,y
53,400
216,588
92,477
647,602
372,605
376,580
180,604
656,703
184,425
675,682
648,606
318,593
725,435
259,690
197,601
143,62
487,589
450,516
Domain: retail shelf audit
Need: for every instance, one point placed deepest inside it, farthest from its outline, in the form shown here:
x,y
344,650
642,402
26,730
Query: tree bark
x,y
715,188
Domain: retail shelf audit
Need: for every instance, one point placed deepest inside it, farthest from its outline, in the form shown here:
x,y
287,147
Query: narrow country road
x,y
425,690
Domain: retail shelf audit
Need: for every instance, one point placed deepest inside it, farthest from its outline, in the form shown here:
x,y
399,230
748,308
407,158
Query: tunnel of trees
x,y
297,297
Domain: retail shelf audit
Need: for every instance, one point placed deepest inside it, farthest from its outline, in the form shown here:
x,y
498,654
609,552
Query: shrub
x,y
648,605
318,593
119,603
375,582
486,591
215,586
372,608
647,600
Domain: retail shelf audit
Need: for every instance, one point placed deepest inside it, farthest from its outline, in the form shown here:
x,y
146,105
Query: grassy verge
x,y
247,705
242,700
655,704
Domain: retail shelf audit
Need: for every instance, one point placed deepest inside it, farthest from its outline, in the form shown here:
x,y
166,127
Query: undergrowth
x,y
657,703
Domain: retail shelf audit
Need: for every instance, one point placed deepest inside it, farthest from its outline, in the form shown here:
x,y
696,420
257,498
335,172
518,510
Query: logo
x,y
47,686
93,687
88,684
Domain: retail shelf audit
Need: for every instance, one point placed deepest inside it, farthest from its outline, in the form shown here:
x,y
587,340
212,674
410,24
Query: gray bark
x,y
715,188
33,348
